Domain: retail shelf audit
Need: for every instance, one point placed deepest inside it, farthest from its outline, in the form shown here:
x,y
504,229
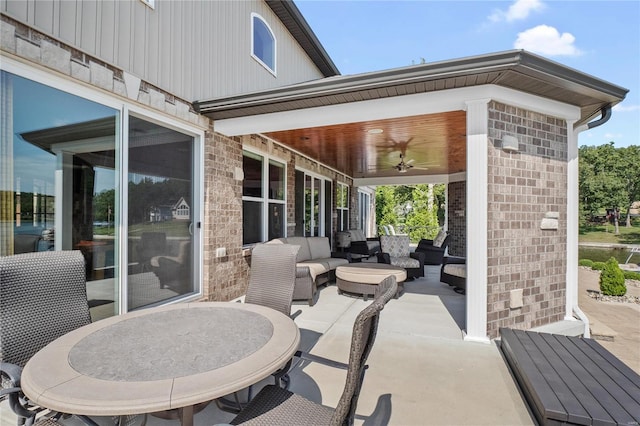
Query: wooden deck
x,y
572,380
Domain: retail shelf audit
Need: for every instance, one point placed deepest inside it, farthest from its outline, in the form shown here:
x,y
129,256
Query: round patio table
x,y
162,358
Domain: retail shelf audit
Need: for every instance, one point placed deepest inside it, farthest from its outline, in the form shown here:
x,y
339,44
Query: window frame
x,y
125,109
342,210
267,159
266,66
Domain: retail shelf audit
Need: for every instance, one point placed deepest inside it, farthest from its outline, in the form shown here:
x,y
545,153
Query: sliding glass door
x,y
72,178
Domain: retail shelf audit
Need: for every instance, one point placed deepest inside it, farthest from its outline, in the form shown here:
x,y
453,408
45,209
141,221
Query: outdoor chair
x,y
151,244
277,406
396,251
363,245
271,282
44,297
272,276
434,249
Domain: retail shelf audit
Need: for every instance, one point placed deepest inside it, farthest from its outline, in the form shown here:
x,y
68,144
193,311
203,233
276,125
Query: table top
x,y
372,265
160,358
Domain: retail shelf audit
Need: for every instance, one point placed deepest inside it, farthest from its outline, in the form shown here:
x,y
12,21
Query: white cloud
x,y
612,136
520,9
548,41
626,108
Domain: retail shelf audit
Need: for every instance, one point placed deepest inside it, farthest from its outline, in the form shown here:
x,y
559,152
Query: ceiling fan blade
x,y
410,161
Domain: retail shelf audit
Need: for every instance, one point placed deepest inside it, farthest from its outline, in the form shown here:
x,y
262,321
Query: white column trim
x,y
477,196
571,289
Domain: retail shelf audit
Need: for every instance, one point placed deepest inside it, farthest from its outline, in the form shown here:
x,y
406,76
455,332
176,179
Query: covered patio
x,y
421,371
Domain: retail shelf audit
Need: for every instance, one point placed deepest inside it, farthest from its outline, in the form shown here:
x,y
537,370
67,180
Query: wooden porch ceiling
x,y
433,144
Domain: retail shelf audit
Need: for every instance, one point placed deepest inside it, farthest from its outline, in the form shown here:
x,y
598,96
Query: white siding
x,y
194,49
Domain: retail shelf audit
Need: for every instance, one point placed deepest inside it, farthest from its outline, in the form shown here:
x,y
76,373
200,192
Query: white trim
x,y
392,107
573,199
265,200
477,182
410,180
275,45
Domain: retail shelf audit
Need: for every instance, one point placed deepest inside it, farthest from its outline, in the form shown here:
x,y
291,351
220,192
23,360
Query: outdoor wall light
x,y
510,143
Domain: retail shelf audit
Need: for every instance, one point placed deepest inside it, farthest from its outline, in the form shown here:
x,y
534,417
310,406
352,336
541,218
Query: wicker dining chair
x,y
276,406
43,296
273,276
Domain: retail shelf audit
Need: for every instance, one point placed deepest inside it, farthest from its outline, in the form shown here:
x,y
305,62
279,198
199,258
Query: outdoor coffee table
x,y
160,359
363,278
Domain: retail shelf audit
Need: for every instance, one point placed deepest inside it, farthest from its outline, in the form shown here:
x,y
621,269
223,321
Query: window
x,y
263,43
364,201
263,198
342,201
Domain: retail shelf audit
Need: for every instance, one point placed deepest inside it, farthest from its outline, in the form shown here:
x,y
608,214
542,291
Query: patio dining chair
x,y
43,297
276,406
272,277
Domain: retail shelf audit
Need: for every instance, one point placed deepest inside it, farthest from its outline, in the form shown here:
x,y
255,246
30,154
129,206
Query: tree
x,y
629,162
608,179
420,208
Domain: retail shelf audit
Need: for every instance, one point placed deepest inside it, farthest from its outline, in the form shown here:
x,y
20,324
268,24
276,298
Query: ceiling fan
x,y
404,166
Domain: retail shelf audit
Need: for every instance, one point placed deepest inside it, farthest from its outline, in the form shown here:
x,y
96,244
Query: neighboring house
x,y
181,210
160,213
241,104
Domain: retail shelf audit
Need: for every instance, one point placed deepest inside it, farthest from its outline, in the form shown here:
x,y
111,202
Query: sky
x,y
600,38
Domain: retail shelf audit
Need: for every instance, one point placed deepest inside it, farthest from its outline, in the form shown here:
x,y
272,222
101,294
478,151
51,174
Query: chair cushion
x,y
395,245
319,247
455,269
439,239
357,235
334,262
315,268
405,262
304,253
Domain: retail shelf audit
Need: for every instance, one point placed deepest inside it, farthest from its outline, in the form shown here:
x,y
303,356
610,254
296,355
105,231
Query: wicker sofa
x,y
315,264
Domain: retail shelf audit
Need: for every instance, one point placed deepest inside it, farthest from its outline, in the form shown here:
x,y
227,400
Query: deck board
x,y
572,380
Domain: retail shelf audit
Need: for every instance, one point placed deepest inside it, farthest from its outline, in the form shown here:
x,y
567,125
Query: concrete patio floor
x,y
421,371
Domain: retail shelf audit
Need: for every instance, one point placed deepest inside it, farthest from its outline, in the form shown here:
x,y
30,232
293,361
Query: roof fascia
x,y
292,18
518,60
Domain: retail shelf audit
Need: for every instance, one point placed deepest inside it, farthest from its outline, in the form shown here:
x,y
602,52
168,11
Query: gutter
x,y
605,112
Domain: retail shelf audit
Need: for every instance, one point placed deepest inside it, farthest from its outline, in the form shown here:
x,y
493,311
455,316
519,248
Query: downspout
x,y
605,116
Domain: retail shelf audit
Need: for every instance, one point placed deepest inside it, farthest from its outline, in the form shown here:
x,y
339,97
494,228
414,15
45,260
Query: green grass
x,y
173,228
604,234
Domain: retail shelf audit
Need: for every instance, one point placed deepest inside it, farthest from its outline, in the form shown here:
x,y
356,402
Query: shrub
x,y
631,275
586,262
598,266
612,279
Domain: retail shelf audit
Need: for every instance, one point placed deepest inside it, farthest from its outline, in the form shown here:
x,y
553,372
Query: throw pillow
x,y
439,239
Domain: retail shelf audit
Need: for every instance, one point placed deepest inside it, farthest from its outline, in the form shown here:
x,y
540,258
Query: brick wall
x,y
457,221
523,186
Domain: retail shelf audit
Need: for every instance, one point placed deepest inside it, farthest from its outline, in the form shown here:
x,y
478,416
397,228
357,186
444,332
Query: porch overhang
x,y
516,69
329,120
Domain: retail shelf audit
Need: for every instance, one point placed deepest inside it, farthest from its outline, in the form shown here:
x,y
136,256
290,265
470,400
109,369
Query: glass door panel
x,y
58,181
160,222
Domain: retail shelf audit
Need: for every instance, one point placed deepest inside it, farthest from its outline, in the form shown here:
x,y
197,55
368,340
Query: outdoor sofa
x,y
315,264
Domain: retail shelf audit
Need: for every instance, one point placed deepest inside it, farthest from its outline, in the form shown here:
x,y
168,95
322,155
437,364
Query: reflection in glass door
x,y
58,181
160,214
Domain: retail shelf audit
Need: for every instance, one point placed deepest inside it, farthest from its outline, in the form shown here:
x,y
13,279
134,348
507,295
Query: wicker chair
x,y
276,406
396,251
43,297
272,276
